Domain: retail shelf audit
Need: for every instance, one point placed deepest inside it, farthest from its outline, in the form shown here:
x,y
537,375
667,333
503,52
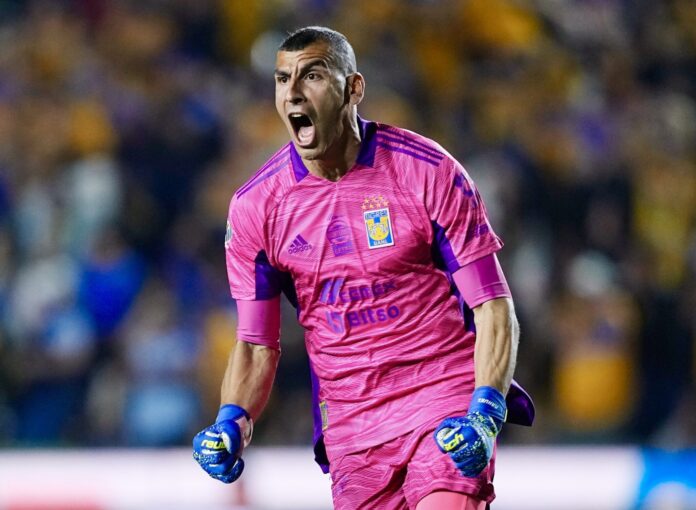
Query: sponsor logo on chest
x,y
340,237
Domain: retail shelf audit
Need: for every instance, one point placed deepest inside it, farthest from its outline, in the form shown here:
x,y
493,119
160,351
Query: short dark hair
x,y
341,49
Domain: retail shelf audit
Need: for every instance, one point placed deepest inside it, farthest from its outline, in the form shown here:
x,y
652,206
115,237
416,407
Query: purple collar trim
x,y
366,156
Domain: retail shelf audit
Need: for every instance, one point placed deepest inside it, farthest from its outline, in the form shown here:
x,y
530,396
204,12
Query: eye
x,y
281,79
312,76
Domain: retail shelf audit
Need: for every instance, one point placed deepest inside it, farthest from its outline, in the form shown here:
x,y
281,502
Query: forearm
x,y
497,336
249,376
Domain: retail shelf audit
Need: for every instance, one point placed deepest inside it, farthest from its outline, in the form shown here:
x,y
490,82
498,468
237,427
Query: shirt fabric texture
x,y
368,262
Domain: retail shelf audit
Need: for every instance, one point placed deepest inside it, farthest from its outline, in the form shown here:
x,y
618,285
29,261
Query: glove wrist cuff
x,y
488,401
231,412
239,415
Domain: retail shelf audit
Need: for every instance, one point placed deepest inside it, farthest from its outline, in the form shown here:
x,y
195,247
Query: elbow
x,y
498,317
498,311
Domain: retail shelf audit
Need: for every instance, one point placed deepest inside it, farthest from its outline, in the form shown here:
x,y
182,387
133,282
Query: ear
x,y
355,89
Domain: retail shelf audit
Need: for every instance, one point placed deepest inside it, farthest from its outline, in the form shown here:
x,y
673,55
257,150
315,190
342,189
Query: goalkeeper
x,y
380,239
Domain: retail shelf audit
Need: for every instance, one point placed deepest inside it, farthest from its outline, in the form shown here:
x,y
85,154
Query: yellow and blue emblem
x,y
377,222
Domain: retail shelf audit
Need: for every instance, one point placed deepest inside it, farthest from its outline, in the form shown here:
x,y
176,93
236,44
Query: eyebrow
x,y
319,62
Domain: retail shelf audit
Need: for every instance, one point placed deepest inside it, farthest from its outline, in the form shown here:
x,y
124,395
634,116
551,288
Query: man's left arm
x,y
497,337
469,440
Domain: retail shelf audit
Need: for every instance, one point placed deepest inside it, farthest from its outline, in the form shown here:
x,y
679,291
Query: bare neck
x,y
340,158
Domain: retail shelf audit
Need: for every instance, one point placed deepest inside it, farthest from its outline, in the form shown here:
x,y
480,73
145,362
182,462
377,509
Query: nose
x,y
294,94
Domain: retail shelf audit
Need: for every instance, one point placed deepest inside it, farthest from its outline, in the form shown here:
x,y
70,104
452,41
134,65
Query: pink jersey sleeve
x,y
250,275
462,232
258,322
481,281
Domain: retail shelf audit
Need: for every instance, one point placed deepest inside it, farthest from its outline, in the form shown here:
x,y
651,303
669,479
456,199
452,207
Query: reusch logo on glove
x,y
449,444
213,445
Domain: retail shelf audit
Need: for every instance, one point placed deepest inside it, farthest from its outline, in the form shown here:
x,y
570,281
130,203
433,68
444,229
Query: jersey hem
x,y
253,342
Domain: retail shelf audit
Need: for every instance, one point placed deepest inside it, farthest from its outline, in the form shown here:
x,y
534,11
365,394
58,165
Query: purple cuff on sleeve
x,y
258,322
481,281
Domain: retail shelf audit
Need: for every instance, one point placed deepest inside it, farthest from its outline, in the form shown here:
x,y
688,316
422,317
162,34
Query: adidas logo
x,y
299,245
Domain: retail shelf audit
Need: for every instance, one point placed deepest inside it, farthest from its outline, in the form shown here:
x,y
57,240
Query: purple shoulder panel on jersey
x,y
443,253
298,167
320,456
272,167
445,260
366,156
269,280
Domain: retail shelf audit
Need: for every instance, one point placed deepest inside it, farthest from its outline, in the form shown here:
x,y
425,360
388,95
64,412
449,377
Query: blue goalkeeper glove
x,y
218,448
469,439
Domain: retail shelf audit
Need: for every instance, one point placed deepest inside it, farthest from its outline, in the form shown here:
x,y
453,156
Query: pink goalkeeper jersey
x,y
368,261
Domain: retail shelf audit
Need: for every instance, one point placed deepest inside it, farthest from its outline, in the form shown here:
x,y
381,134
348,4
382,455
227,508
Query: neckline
x,y
366,154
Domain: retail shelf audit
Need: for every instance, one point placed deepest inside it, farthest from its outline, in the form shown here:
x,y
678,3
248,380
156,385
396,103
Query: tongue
x,y
305,134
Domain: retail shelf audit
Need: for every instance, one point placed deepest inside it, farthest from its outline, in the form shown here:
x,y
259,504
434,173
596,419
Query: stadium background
x,y
125,127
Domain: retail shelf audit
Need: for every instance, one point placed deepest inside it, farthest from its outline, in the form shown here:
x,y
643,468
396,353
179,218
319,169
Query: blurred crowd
x,y
126,126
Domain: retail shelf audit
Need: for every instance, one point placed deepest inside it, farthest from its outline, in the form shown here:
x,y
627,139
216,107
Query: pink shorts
x,y
396,475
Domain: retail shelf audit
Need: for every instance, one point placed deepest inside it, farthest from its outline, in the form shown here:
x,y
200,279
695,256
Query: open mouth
x,y
303,127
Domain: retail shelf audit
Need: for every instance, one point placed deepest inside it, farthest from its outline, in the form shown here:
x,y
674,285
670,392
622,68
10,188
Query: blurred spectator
x,y
110,280
52,346
160,355
595,322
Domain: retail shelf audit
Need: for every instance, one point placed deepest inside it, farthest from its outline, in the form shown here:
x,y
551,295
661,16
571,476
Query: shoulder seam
x,y
270,168
397,141
408,138
420,156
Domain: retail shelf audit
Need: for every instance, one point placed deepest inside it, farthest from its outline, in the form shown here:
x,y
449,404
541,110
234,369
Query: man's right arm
x,y
249,377
253,362
246,386
256,286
